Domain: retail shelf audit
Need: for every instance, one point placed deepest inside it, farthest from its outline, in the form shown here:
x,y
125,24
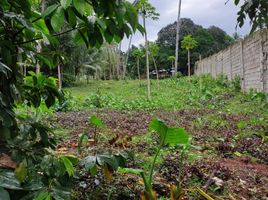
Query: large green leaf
x,y
4,194
71,18
159,127
40,25
50,10
61,193
43,196
88,162
21,172
57,19
65,3
107,159
80,6
177,136
9,181
68,165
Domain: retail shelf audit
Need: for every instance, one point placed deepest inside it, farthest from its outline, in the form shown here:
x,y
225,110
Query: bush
x,y
68,80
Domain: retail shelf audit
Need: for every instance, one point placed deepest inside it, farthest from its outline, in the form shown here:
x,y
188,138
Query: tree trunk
x,y
189,63
110,64
157,76
138,68
39,43
59,77
127,56
177,39
147,59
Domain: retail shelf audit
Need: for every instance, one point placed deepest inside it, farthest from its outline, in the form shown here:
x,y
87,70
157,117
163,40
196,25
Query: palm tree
x,y
189,43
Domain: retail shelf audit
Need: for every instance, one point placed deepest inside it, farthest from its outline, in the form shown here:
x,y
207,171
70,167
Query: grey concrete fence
x,y
247,58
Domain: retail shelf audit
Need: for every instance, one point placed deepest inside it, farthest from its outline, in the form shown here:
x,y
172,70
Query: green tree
x,y
207,42
147,11
256,10
189,43
172,59
154,51
137,53
21,26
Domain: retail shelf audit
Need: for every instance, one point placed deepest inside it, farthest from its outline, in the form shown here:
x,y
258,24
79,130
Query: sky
x,y
203,12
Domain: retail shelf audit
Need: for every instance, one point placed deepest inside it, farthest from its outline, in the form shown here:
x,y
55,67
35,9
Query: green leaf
x,y
108,159
241,124
68,165
4,194
130,170
65,3
49,39
88,162
43,196
57,19
159,127
93,170
49,10
4,69
177,136
131,16
80,6
9,181
96,121
237,2
40,25
21,172
46,60
61,193
71,18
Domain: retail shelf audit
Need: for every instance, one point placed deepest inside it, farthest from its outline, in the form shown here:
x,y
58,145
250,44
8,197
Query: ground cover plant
x,y
228,157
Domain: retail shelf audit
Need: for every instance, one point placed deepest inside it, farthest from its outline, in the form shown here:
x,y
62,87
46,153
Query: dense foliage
x,y
26,142
209,40
256,10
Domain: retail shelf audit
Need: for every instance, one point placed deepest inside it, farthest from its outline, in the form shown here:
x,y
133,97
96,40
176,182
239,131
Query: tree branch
x,y
57,34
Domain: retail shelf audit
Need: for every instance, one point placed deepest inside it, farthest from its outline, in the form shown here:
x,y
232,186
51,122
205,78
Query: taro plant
x,y
168,136
107,162
97,123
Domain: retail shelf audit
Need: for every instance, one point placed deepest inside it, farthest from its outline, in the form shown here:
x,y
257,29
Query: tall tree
x,y
147,11
177,38
154,51
138,54
189,43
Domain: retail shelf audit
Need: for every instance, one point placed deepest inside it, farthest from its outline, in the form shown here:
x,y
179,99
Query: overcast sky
x,y
203,12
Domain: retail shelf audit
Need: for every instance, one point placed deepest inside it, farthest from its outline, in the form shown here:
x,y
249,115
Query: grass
x,y
172,94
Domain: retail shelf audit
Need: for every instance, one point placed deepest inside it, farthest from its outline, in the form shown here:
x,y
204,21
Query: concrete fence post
x,y
262,60
231,64
242,64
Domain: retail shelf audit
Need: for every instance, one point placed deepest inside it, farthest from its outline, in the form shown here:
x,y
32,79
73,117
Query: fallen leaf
x,y
7,162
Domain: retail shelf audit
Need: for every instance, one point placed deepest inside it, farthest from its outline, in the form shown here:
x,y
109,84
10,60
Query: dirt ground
x,y
229,167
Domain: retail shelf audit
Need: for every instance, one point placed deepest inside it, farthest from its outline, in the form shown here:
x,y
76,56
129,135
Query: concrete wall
x,y
247,58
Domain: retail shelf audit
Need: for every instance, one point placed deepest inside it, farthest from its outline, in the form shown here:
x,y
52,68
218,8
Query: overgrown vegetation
x,y
226,125
70,144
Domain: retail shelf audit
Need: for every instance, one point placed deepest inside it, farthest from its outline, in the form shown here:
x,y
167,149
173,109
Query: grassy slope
x,y
172,94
